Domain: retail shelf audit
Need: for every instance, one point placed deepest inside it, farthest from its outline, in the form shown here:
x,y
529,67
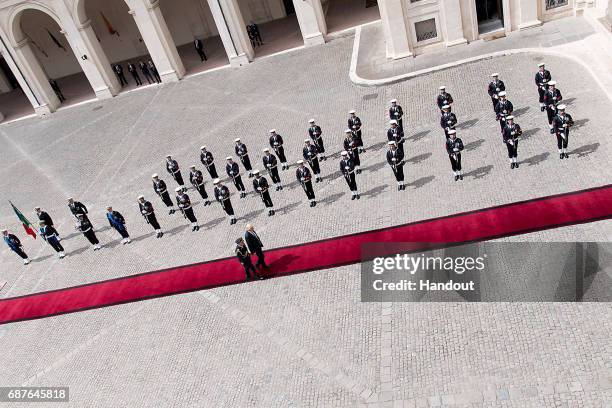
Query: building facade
x,y
414,27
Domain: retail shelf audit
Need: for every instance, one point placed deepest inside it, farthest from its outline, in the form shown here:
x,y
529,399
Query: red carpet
x,y
512,219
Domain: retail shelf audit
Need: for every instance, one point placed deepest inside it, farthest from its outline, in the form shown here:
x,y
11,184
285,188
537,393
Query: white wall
x,y
261,11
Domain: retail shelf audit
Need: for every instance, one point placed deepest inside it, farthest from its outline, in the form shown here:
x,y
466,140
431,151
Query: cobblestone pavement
x,y
304,340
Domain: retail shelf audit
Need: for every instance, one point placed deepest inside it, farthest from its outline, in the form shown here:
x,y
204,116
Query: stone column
x,y
397,33
157,38
232,31
39,91
311,20
453,23
609,11
529,14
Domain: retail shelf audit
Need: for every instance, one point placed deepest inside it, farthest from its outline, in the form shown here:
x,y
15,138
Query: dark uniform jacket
x,y
172,166
396,112
48,232
241,149
448,120
160,187
541,79
260,184
512,132
77,208
232,170
559,122
131,67
452,144
503,109
43,216
183,201
395,135
496,87
396,154
347,166
354,123
253,242
207,158
302,174
444,99
269,161
222,193
309,152
146,209
315,132
350,145
196,177
276,140
552,97
84,225
243,255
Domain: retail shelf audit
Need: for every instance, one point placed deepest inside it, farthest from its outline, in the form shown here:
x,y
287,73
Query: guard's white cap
x,y
300,162
552,82
352,112
228,158
141,197
344,153
391,143
70,198
561,107
306,140
216,181
393,122
178,189
347,130
155,175
192,166
393,100
272,130
510,117
452,132
266,150
255,171
311,121
541,64
502,93
495,74
202,147
36,208
442,87
237,139
3,231
168,156
446,107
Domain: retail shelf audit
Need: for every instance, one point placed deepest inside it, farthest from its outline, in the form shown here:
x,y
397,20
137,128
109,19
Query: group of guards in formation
x,y
313,154
148,70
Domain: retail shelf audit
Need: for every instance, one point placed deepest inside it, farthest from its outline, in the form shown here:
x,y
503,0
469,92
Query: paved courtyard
x,y
305,340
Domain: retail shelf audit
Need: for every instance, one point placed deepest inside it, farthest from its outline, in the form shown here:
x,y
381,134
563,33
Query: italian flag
x,y
27,226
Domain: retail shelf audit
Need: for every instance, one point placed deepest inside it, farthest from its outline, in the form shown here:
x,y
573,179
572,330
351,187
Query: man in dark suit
x,y
255,245
199,47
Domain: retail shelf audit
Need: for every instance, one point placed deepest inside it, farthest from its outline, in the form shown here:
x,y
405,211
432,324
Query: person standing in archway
x,y
145,71
199,47
119,71
134,72
154,71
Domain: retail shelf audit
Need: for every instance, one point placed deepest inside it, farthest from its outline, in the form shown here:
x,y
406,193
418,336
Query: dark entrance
x,y
289,8
490,15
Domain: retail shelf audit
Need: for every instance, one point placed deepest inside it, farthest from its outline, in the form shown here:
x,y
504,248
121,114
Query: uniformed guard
x,y
271,164
396,113
174,170
197,180
77,208
316,134
444,98
310,155
116,221
15,245
222,194
503,109
233,172
119,71
276,143
552,98
495,87
303,176
244,257
147,211
44,216
184,204
145,71
243,155
199,47
348,170
350,146
208,161
134,72
512,132
395,158
448,121
454,147
395,134
155,72
542,77
354,123
86,228
261,187
49,234
160,188
561,127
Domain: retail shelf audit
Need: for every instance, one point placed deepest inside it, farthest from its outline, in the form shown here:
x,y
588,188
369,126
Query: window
x,y
552,4
426,30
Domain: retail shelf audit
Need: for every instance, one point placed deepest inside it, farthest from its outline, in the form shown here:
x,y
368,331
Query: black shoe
x,y
353,197
562,156
171,212
542,108
161,234
461,177
566,156
358,172
314,203
273,212
270,213
512,165
358,196
399,188
206,203
456,178
516,165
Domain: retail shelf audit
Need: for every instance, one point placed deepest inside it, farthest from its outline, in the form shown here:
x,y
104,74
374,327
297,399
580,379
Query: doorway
x,y
490,15
289,7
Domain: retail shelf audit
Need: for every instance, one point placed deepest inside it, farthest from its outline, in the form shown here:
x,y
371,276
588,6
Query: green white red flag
x,y
27,225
